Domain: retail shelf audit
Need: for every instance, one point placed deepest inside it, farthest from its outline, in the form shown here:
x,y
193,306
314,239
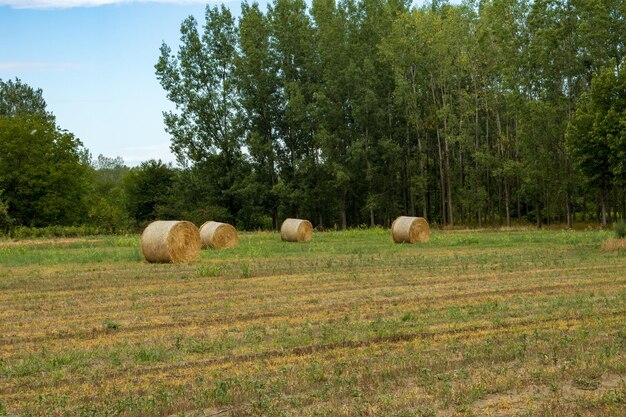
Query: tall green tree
x,y
354,111
43,169
596,136
108,202
404,48
147,190
200,81
293,44
42,172
334,97
259,90
379,126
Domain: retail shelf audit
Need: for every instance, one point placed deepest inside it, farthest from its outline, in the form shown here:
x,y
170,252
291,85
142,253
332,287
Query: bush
x,y
108,216
5,219
23,232
620,229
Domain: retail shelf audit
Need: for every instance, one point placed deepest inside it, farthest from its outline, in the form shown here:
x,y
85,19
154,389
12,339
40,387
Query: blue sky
x,y
94,61
95,65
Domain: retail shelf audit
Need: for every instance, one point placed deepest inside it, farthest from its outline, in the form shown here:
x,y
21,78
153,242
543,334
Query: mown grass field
x,y
474,323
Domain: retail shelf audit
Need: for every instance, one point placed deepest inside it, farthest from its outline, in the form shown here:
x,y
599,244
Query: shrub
x,y
109,216
6,221
24,232
620,229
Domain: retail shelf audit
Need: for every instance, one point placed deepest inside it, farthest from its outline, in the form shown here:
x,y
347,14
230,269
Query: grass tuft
x,y
111,325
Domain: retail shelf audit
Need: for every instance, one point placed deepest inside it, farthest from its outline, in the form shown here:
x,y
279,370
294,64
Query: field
x,y
474,323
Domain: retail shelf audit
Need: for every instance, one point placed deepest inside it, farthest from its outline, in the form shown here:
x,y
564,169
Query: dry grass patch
x,y
613,245
48,242
349,324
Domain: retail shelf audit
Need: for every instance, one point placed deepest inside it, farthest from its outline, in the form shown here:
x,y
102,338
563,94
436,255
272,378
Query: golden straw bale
x,y
170,241
296,230
410,230
218,235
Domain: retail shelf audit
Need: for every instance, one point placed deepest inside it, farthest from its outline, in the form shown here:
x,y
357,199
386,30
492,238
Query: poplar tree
x,y
259,89
200,80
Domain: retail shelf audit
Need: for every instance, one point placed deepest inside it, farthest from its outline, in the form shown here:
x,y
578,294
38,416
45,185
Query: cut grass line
x,y
61,286
429,300
470,332
314,288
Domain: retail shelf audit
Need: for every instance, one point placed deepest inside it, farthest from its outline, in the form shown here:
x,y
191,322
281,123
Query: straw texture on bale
x,y
218,235
410,230
170,241
296,230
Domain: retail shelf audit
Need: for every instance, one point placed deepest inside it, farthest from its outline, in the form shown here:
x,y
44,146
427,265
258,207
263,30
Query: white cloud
x,y
37,66
65,4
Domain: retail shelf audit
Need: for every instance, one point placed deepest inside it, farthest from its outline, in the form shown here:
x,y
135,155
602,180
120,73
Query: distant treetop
x,y
17,98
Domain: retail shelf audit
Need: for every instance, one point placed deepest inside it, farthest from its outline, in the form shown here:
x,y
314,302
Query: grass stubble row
x,y
450,336
340,290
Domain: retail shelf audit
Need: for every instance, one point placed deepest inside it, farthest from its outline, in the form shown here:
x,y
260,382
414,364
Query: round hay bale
x,y
218,235
296,230
170,241
410,230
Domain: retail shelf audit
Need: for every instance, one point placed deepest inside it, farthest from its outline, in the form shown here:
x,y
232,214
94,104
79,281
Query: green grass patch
x,y
347,324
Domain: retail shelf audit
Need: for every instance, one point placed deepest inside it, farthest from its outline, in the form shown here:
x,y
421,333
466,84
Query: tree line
x,y
353,112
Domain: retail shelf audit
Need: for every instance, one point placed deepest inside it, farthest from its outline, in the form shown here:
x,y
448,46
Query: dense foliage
x,y
43,176
351,113
356,111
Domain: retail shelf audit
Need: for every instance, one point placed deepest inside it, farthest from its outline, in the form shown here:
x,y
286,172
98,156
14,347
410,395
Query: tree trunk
x,y
408,173
603,208
500,186
442,181
538,212
500,151
344,217
447,162
461,209
507,203
519,200
623,205
421,165
448,186
368,175
427,194
568,207
491,208
275,218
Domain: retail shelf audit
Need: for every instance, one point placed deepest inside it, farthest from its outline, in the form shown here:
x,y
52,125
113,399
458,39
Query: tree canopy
x,y
355,111
350,113
43,176
17,98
